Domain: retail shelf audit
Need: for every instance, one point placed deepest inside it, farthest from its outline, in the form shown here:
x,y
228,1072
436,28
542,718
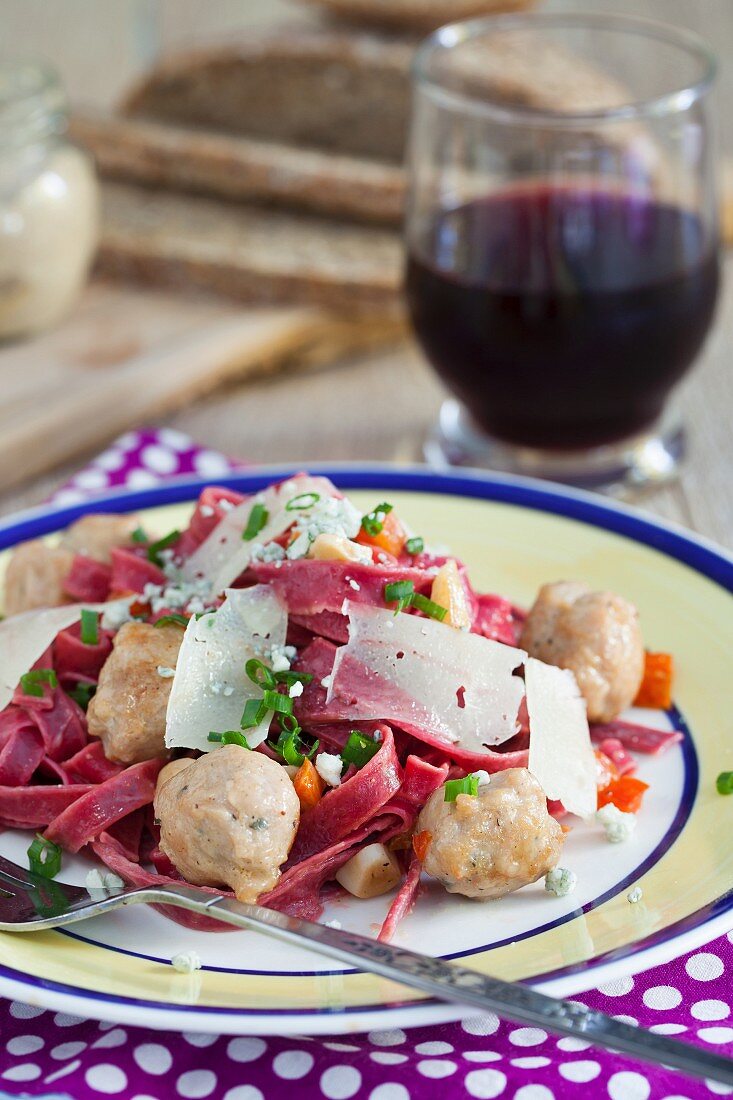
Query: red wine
x,y
563,318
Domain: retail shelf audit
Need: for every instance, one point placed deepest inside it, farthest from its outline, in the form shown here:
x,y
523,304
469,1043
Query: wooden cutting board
x,y
128,356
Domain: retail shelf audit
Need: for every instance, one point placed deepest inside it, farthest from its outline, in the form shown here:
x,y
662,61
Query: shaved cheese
x,y
224,555
211,660
26,637
458,686
561,757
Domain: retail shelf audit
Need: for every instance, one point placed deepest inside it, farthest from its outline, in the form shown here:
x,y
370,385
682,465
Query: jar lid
x,y
32,103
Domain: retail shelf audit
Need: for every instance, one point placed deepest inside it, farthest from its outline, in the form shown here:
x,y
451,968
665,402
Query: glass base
x,y
647,461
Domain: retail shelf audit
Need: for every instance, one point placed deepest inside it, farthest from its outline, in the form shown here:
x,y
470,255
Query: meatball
x,y
228,819
96,535
487,845
35,577
594,634
128,710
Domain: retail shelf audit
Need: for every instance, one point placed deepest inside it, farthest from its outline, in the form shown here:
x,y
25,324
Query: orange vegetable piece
x,y
421,843
391,538
308,785
626,793
606,770
656,685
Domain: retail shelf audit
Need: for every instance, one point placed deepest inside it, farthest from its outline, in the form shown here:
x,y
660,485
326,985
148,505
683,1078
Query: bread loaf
x,y
249,253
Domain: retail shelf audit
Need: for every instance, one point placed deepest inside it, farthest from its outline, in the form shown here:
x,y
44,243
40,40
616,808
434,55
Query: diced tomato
x,y
391,538
656,685
421,843
606,770
626,793
308,785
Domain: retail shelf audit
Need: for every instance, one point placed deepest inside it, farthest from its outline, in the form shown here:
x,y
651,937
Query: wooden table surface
x,y
380,407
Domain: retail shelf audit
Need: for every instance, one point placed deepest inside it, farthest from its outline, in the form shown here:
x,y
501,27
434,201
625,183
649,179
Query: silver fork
x,y
30,903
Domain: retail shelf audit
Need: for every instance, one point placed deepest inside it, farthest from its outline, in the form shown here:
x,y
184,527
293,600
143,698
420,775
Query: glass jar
x,y
49,203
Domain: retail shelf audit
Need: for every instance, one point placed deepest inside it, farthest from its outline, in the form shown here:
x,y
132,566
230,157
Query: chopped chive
x,y
359,749
429,607
724,783
290,748
89,627
302,502
138,535
281,704
398,590
373,521
82,694
44,857
229,737
30,682
288,723
254,711
454,787
259,673
173,619
162,544
258,517
289,678
415,545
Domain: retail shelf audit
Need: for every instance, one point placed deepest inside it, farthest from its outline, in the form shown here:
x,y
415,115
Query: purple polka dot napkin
x,y
46,1054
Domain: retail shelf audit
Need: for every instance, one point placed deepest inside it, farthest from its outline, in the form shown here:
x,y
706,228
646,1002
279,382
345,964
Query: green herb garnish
x,y
31,682
291,748
415,545
162,544
273,700
174,619
254,712
373,521
258,517
359,749
82,694
429,607
302,502
259,673
724,783
138,535
44,857
454,787
229,737
89,627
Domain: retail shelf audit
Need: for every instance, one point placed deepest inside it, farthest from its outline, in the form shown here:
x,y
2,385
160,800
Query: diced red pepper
x,y
391,538
421,843
626,793
656,685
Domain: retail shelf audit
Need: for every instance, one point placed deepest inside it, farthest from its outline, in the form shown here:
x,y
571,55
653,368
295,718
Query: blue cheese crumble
x,y
329,766
186,962
327,516
560,882
618,825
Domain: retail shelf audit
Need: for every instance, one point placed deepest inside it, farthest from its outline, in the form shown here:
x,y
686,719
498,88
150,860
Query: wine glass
x,y
562,240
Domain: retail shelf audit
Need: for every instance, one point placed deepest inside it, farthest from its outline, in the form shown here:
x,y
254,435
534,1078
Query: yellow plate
x,y
514,535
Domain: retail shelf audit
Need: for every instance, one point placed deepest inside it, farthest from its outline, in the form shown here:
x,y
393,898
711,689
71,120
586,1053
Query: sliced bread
x,y
242,168
342,92
249,253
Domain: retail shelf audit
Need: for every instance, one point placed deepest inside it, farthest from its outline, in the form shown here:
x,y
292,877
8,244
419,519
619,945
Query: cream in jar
x,y
49,207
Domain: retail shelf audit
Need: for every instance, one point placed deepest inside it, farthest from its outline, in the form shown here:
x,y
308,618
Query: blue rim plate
x,y
509,517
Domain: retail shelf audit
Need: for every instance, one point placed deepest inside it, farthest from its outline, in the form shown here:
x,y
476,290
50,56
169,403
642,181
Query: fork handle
x,y
450,982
